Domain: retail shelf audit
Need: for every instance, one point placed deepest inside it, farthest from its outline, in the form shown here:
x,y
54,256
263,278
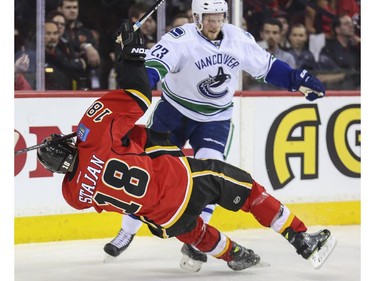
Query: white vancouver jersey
x,y
200,78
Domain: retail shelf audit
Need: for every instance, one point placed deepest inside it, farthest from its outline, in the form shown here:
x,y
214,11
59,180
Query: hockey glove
x,y
307,84
131,42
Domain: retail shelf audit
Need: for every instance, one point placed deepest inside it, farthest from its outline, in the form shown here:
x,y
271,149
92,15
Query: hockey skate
x,y
315,247
192,259
119,244
242,258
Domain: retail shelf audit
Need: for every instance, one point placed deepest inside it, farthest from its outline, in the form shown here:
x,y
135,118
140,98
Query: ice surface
x,y
152,258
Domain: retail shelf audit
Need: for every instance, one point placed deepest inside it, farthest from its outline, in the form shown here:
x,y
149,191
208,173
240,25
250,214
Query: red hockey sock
x,y
262,205
208,239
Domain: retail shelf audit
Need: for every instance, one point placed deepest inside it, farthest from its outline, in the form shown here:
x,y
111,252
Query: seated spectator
x,y
256,12
319,16
271,36
283,18
21,65
58,18
298,40
81,38
342,54
62,67
351,8
178,20
190,15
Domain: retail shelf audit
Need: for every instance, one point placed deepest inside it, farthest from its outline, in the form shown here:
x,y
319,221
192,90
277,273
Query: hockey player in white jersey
x,y
199,65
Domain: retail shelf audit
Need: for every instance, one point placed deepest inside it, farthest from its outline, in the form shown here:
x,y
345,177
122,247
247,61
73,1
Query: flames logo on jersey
x,y
206,86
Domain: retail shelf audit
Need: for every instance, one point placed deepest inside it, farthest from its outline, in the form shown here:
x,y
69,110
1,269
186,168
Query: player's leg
x,y
130,226
270,212
209,240
208,153
209,141
238,190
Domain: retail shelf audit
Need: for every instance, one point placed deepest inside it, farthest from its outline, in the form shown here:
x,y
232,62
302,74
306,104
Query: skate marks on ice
x,y
152,258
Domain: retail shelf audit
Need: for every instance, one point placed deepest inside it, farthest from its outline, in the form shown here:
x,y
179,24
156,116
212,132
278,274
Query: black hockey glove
x,y
307,84
131,42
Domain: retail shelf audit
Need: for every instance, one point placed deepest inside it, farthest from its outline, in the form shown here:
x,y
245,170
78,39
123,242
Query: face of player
x,y
212,24
298,37
271,34
70,10
51,35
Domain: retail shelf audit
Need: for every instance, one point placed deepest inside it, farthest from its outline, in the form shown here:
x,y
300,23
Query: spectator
x,y
319,15
178,20
62,67
81,38
352,9
256,11
21,48
271,36
283,18
148,28
190,15
295,9
298,40
342,53
21,65
58,18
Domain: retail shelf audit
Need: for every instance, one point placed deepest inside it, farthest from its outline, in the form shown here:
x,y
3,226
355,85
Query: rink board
x,y
305,154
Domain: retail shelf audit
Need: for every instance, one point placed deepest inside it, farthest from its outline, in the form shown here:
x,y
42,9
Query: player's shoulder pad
x,y
180,33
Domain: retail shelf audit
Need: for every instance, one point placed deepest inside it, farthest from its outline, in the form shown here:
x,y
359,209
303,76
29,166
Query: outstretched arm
x,y
282,75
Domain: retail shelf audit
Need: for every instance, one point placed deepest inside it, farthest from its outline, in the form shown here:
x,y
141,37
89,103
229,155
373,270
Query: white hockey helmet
x,y
200,7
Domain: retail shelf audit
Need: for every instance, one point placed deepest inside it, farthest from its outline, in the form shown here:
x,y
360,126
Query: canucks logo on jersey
x,y
207,86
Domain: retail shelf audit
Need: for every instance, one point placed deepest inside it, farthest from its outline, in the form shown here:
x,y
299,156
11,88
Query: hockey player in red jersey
x,y
117,166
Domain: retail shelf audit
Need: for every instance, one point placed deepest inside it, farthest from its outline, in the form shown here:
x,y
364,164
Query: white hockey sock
x,y
130,225
207,213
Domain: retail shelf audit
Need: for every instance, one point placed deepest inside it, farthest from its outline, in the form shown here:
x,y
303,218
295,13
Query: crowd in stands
x,y
322,36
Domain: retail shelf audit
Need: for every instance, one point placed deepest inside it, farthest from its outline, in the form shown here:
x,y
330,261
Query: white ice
x,y
151,258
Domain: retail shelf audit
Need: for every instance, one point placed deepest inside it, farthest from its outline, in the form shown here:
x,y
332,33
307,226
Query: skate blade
x,y
109,258
189,264
319,257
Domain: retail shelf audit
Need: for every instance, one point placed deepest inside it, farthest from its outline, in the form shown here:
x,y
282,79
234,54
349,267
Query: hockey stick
x,y
44,143
154,7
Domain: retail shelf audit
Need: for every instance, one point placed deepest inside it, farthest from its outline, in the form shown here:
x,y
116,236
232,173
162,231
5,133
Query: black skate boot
x,y
242,257
315,247
192,259
119,244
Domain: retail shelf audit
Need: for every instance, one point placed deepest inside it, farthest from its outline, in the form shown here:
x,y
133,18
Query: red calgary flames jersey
x,y
115,171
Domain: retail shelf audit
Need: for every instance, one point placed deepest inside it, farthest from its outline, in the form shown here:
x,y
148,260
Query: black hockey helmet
x,y
57,156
